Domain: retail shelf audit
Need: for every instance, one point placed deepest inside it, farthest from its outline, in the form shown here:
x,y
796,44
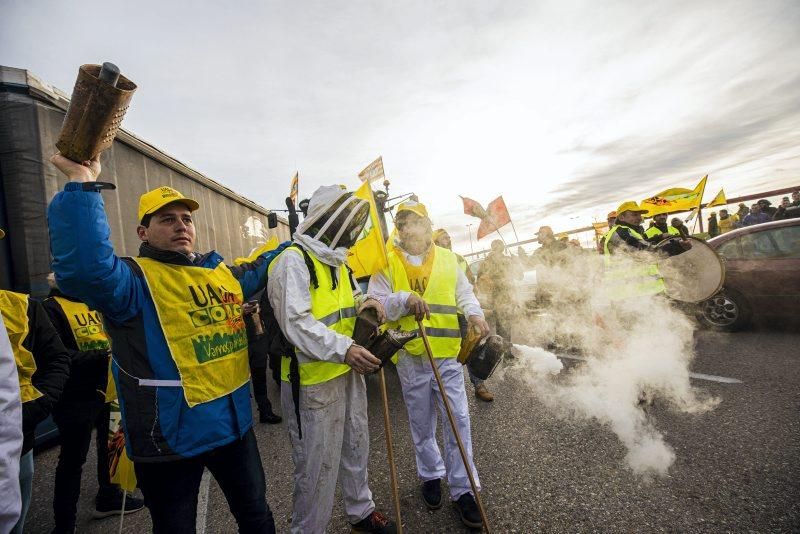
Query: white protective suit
x,y
333,414
10,434
421,392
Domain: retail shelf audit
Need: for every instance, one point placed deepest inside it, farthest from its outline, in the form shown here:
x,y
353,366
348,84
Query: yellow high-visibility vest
x,y
85,324
629,279
440,295
335,308
655,230
200,312
14,307
89,333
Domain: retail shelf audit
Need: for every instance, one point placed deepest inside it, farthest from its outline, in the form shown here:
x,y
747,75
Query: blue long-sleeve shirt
x,y
158,422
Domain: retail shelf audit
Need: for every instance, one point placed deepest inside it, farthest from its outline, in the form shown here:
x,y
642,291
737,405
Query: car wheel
x,y
727,311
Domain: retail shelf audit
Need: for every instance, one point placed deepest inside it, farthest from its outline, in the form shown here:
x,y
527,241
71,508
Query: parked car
x,y
762,275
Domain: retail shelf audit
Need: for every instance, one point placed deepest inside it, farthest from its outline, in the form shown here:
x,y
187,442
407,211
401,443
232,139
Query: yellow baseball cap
x,y
632,206
439,232
154,200
414,207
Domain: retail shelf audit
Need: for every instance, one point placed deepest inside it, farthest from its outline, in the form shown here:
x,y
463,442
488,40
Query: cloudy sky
x,y
565,108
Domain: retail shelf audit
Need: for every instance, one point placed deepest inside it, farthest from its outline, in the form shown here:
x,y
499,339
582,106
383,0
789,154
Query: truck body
x,y
31,114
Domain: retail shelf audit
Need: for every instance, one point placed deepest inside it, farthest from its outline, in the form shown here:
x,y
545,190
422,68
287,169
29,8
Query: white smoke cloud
x,y
635,350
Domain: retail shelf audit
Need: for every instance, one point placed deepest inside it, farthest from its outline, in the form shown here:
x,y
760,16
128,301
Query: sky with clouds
x,y
566,108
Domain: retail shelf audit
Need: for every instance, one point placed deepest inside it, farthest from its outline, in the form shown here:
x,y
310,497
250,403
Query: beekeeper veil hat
x,y
335,217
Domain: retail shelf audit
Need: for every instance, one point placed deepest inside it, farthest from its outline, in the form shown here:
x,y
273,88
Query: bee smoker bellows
x,y
486,356
100,98
387,344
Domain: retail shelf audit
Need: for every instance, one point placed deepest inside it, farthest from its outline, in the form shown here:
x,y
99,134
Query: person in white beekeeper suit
x,y
315,301
425,281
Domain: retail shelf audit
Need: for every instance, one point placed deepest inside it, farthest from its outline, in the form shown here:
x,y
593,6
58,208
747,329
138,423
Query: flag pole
x,y
513,228
387,424
700,203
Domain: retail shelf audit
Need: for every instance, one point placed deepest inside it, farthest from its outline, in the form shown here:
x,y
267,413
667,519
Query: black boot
x,y
269,417
110,503
468,509
432,493
376,523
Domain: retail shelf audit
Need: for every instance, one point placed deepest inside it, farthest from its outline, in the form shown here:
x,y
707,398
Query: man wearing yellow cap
x,y
624,278
423,281
180,351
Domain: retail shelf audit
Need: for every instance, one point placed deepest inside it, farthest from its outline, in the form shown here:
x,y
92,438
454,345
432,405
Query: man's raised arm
x,y
84,262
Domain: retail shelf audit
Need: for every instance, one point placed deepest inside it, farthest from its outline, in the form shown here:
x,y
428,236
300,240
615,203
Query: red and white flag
x,y
473,208
496,217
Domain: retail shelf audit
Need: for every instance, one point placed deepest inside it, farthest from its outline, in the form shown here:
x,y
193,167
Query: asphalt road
x,y
737,467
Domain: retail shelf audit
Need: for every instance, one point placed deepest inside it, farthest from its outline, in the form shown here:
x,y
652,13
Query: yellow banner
x,y
271,244
719,200
675,199
368,255
294,187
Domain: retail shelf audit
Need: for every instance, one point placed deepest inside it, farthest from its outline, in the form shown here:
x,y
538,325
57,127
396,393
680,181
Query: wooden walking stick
x,y
453,425
390,448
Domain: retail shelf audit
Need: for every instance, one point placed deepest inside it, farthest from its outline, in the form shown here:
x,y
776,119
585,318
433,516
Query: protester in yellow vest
x,y
42,368
727,222
82,407
625,275
180,359
442,239
315,303
660,230
424,281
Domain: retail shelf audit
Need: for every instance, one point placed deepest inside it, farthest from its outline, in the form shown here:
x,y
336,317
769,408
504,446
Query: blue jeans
x,y
25,487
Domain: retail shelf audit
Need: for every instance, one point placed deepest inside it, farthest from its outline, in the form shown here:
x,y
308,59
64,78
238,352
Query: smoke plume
x,y
635,351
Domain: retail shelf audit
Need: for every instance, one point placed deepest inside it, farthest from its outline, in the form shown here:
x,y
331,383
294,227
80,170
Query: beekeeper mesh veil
x,y
335,217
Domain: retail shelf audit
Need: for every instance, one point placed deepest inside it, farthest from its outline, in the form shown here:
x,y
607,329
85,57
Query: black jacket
x,y
52,370
89,375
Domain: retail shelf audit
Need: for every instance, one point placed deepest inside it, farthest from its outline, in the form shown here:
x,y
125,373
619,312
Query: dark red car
x,y
762,275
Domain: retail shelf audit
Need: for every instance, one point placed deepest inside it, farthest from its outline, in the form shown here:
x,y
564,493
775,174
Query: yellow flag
x,y
368,255
120,465
719,200
271,244
675,199
294,187
600,228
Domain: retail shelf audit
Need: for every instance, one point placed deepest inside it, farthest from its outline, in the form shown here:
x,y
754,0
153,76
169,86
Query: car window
x,y
787,240
731,250
759,245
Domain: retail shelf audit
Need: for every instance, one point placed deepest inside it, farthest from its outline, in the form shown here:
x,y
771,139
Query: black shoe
x,y
432,493
468,509
269,418
377,523
111,504
62,530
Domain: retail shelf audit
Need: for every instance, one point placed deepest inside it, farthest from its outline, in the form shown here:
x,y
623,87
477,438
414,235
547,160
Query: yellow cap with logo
x,y
631,206
154,200
414,207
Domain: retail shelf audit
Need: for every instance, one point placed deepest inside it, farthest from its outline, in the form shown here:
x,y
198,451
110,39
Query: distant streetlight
x,y
469,229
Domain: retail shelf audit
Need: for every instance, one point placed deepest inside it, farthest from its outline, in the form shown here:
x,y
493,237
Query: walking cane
x,y
390,448
453,425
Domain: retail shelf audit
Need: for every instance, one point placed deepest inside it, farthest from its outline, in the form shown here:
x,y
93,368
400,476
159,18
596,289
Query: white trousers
x,y
421,394
335,444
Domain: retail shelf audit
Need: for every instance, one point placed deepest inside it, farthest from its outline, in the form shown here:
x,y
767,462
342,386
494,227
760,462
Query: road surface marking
x,y
202,502
698,376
